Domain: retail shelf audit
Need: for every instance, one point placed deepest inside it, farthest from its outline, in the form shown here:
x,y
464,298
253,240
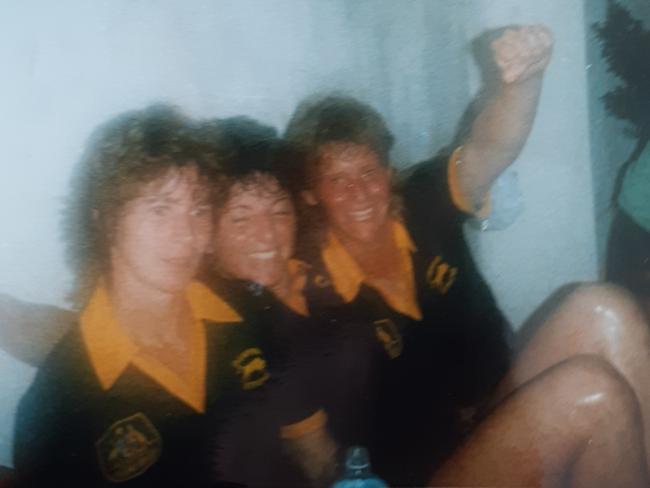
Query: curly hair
x,y
250,152
321,120
123,154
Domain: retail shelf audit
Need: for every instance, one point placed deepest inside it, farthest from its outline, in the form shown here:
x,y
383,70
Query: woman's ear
x,y
309,197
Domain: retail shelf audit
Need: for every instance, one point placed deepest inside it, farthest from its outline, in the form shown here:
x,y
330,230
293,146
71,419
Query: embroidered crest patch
x,y
250,366
440,275
387,333
128,448
321,281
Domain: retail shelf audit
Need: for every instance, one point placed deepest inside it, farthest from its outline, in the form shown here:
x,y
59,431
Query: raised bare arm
x,y
500,130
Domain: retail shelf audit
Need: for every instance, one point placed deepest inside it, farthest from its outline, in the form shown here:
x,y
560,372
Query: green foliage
x,y
625,45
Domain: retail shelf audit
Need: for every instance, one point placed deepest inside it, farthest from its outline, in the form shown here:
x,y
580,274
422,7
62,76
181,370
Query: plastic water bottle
x,y
357,471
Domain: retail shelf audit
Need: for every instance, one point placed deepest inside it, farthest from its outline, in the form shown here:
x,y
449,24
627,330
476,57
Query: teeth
x,y
361,215
263,255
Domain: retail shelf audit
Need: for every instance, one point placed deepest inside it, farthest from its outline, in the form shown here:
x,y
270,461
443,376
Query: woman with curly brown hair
x,y
157,365
449,395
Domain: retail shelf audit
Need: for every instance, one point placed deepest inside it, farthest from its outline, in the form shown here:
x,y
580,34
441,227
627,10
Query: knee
x,y
594,387
603,303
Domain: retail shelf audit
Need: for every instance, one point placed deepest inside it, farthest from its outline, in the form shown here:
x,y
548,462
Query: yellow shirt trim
x,y
111,350
306,426
460,200
345,272
347,276
297,271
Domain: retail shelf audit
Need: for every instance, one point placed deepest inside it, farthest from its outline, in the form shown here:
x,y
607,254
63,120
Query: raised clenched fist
x,y
523,52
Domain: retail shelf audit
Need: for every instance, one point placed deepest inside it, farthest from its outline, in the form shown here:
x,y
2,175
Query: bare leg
x,y
577,425
598,319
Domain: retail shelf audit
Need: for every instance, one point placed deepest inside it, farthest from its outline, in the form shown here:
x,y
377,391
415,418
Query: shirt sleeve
x,y
314,422
427,204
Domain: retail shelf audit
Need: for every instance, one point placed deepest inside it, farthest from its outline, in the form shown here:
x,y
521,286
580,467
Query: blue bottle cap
x,y
357,458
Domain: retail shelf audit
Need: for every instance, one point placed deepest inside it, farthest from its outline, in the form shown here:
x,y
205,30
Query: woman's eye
x,y
201,211
240,220
160,210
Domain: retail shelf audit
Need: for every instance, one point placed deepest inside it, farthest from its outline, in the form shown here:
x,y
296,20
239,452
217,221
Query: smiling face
x,y
161,235
353,188
255,231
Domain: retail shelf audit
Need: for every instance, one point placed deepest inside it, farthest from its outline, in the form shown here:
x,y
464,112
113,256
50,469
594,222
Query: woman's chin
x,y
269,278
364,235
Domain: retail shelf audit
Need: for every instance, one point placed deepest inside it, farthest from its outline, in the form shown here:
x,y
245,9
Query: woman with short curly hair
x,y
125,394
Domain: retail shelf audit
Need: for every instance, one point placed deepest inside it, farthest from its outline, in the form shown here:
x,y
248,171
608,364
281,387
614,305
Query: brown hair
x,y
249,153
335,118
321,120
122,155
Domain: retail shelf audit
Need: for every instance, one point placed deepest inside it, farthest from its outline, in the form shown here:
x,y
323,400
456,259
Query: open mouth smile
x,y
361,215
263,255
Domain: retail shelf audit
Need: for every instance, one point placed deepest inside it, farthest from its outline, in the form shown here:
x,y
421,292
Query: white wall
x,y
69,65
553,242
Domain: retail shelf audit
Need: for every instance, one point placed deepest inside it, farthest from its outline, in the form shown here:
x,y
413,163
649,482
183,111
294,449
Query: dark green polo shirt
x,y
430,361
75,429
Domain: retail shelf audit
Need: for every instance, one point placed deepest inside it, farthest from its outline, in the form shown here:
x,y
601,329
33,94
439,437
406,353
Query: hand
x,y
523,53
